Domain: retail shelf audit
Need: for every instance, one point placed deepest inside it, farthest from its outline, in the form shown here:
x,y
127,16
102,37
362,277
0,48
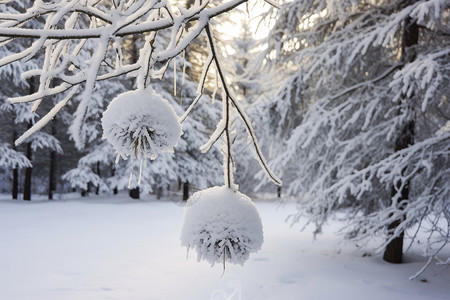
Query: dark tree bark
x,y
28,172
113,172
15,183
51,175
159,192
134,193
15,189
29,154
394,250
186,190
97,188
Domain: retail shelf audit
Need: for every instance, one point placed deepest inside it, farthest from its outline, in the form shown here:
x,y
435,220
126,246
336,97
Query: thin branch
x,y
188,111
64,87
205,70
365,83
244,118
273,3
226,109
47,118
430,259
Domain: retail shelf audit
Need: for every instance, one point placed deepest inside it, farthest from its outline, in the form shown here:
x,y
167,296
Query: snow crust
x,y
222,225
141,124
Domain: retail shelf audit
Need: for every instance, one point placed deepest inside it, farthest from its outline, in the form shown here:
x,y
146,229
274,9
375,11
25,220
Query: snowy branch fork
x,y
69,26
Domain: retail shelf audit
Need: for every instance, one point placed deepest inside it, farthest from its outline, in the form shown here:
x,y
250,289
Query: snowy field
x,y
117,248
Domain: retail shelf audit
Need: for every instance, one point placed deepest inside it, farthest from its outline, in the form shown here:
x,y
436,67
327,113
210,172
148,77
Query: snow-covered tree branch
x,y
83,44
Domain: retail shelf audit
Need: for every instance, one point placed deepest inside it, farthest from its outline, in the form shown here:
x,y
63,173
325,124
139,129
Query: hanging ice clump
x,y
222,225
141,124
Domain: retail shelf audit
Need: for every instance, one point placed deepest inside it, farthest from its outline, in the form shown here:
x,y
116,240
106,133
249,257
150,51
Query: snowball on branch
x,y
141,124
222,225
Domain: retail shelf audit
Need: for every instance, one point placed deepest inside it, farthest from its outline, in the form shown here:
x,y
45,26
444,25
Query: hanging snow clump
x,y
141,124
221,225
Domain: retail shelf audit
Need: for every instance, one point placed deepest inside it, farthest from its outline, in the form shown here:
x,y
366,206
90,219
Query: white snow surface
x,y
141,124
222,225
113,247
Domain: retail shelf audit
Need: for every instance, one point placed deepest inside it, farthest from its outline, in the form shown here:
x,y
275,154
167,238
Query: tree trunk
x,y
134,193
186,190
394,250
15,183
113,172
51,175
29,154
15,188
28,171
159,192
97,188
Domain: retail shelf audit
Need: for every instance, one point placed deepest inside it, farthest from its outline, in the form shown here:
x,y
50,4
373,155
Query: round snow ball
x,y
141,124
222,225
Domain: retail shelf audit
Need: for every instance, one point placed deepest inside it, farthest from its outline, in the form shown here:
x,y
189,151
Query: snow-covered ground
x,y
112,247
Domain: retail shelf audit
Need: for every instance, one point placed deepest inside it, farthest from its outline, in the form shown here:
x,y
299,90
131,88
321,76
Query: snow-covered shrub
x,y
221,225
141,124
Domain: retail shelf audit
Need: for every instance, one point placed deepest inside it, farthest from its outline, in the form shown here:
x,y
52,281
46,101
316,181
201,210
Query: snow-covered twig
x,y
229,99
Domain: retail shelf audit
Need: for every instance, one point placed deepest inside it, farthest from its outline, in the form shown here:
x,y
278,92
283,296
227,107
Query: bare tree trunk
x,y
134,193
186,190
28,172
113,172
97,188
15,189
394,250
29,154
51,175
159,192
15,183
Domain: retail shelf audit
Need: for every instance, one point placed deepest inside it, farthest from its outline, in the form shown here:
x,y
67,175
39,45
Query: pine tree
x,y
364,113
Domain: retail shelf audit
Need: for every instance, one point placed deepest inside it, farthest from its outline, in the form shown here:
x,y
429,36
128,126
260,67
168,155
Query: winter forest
x,y
236,149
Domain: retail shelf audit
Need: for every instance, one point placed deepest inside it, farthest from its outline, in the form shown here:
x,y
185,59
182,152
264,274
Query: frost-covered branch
x,y
69,29
229,100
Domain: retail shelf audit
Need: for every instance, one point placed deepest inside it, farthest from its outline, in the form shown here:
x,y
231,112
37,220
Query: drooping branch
x,y
62,64
229,99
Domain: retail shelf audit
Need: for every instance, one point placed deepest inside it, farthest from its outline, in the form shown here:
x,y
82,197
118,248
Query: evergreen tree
x,y
364,112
